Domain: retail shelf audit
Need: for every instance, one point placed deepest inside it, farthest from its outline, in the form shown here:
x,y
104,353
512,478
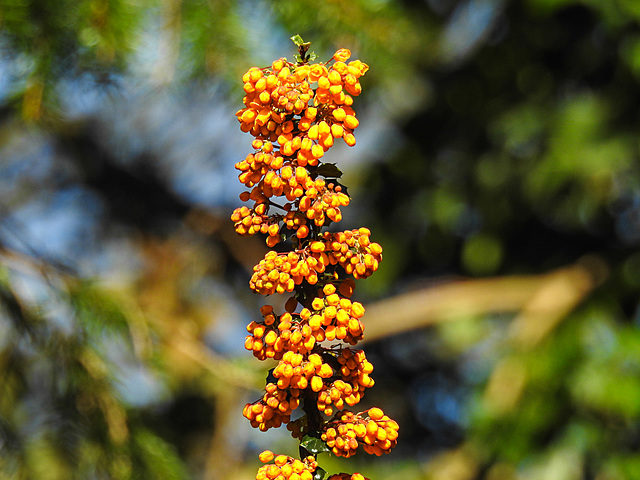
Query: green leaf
x,y
305,58
303,46
329,170
297,40
313,445
319,474
156,458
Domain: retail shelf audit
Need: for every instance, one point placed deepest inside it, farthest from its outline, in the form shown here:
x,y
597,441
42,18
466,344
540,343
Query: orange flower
x,y
317,71
342,55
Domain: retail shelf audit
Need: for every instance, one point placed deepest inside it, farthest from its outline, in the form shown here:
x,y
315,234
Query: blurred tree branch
x,y
540,301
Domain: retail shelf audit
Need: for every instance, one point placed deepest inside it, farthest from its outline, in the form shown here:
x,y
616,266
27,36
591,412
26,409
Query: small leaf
x,y
313,445
319,474
329,170
297,40
303,47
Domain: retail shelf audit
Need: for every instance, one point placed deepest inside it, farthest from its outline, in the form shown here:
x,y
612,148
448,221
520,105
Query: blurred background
x,y
497,164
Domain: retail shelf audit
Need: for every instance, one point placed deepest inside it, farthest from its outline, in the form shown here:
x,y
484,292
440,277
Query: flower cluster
x,y
373,429
296,111
282,105
352,250
348,476
285,467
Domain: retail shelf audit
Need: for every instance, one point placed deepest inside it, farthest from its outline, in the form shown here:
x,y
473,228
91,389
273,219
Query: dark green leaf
x,y
314,445
270,377
319,474
329,170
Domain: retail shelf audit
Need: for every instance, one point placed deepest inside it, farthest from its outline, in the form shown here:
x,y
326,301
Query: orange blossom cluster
x,y
296,111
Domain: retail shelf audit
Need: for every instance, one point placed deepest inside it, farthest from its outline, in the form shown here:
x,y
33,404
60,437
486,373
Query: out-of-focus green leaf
x,y
159,459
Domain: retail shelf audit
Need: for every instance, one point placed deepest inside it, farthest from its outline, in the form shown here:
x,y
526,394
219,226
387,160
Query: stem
x,y
314,419
274,204
302,51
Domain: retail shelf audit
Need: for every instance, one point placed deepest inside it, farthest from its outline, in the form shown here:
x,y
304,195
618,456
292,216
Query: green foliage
x,y
46,42
201,27
319,474
303,47
581,399
63,416
157,458
313,445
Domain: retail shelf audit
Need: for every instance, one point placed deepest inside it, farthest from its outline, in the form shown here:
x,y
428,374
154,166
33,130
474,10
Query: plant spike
x,y
296,111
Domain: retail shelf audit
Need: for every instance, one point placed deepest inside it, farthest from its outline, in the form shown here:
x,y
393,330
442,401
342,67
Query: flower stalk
x,y
296,112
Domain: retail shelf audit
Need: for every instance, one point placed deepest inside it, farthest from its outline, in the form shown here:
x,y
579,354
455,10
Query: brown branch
x,y
542,300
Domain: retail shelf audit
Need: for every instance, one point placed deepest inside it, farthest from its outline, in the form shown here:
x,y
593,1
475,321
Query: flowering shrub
x,y
296,111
